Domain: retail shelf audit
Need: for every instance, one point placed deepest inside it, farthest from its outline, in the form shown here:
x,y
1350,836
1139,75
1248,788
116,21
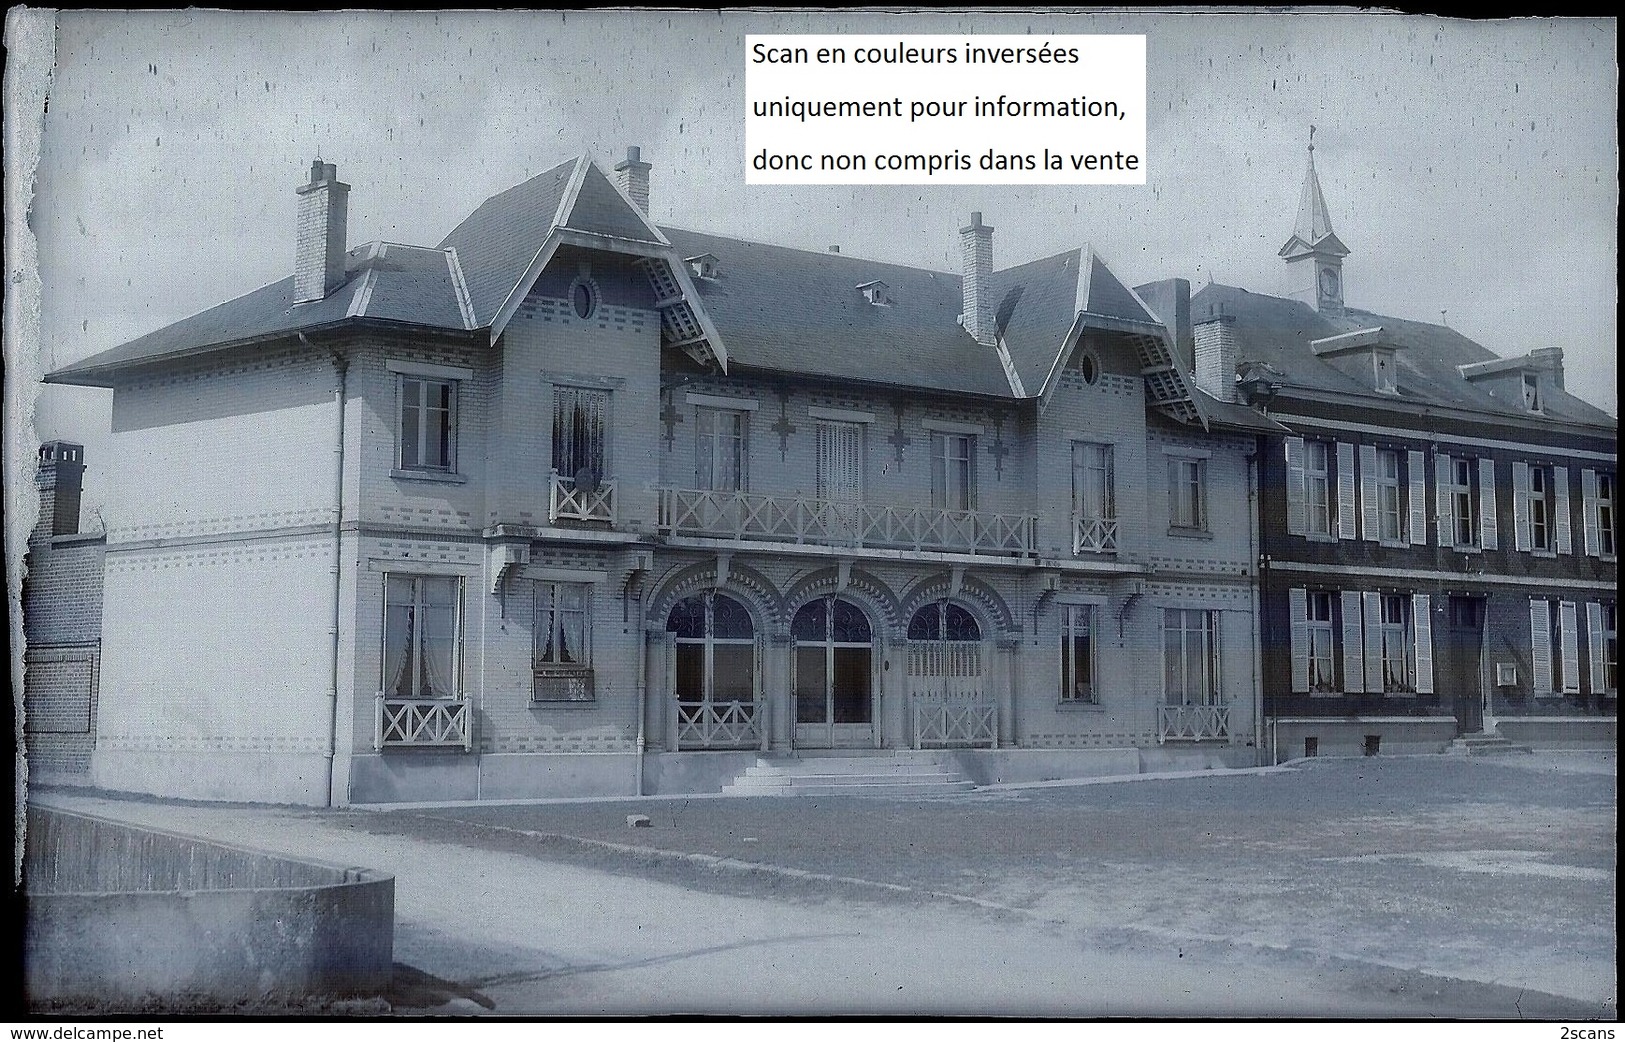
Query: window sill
x,y
1396,544
1463,548
563,703
444,477
1080,707
1315,537
1189,533
1542,553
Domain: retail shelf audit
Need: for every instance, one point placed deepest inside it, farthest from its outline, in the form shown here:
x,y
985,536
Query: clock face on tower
x,y
1328,282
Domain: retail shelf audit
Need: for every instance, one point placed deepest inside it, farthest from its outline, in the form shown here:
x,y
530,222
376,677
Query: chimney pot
x,y
60,482
835,249
632,174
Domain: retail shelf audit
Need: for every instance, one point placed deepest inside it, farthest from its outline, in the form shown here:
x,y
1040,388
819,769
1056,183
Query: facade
x,y
1439,534
574,504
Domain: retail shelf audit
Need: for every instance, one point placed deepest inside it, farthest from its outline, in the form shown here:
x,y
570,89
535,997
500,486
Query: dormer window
x,y
1357,347
704,266
875,292
1531,392
1387,381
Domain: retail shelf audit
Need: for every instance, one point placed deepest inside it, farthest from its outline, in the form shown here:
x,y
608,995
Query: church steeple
x,y
1313,253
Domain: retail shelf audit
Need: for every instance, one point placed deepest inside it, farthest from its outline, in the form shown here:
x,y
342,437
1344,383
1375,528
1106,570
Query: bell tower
x,y
1314,255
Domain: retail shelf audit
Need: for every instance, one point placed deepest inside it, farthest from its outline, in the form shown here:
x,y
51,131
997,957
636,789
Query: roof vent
x,y
874,292
835,249
704,266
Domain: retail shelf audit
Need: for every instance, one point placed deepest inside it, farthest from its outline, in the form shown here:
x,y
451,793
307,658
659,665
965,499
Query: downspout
x,y
1255,481
643,692
341,368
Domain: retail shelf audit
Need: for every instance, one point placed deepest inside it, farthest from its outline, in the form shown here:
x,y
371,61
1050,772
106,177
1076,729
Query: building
x,y
1439,530
575,504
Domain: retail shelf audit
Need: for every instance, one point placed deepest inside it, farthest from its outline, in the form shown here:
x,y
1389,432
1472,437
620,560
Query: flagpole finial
x,y
1311,137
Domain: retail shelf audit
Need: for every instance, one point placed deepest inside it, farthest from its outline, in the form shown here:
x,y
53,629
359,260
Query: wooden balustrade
x,y
565,502
421,722
721,725
1193,723
1094,535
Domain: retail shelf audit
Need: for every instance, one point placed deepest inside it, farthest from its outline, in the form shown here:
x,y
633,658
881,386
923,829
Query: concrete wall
x,y
120,915
1396,736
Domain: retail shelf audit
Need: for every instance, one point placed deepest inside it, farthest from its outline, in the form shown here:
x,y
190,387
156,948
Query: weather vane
x,y
1311,137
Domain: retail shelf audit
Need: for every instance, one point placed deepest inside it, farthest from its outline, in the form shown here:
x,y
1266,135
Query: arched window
x,y
943,620
833,667
716,649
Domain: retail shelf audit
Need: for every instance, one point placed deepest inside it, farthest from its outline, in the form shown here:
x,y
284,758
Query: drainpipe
x,y
1255,475
643,687
341,367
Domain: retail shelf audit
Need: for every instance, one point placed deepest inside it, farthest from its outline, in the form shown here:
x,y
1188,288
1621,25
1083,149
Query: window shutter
x,y
1568,633
1298,606
1368,491
1345,492
1353,644
1296,514
1486,503
1416,468
1540,645
1523,538
1560,506
1421,606
1588,519
1443,481
1373,641
1599,677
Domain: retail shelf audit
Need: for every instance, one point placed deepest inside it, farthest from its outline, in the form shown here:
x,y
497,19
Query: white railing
x,y
1193,723
1094,535
721,725
421,723
954,721
566,502
803,519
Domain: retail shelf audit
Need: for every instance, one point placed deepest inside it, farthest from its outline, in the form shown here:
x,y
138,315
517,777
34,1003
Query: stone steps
x,y
890,774
1485,744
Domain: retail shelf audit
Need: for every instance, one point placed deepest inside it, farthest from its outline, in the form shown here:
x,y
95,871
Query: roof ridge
x,y
804,249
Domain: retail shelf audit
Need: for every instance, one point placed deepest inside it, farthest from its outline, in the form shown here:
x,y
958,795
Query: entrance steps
x,y
1485,743
885,773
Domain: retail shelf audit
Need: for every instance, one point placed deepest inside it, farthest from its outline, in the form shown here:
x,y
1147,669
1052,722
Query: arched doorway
x,y
834,675
948,701
715,672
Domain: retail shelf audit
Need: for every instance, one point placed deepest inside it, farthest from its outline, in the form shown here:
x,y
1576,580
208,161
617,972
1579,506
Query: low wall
x,y
1346,736
1554,732
120,915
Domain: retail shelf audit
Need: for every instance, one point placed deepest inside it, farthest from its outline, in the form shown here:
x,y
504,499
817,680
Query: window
x,y
1554,643
584,297
1531,392
1190,656
1467,507
1318,487
580,416
562,654
840,461
1605,512
1597,490
421,638
716,649
953,471
427,428
1604,619
719,461
1463,503
1398,654
1321,642
1187,494
1387,501
1078,654
1540,508
1094,498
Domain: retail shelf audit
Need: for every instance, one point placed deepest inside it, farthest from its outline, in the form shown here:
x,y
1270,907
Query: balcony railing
x,y
422,723
1094,535
721,725
565,502
1193,723
947,721
803,519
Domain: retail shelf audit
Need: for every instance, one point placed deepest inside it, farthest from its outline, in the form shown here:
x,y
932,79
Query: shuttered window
x,y
1345,492
1602,629
1296,492
1540,645
1416,471
1313,641
840,461
1597,519
1317,477
1353,642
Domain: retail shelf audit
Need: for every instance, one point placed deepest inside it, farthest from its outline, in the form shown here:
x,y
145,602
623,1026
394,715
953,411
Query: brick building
x,y
1439,529
571,503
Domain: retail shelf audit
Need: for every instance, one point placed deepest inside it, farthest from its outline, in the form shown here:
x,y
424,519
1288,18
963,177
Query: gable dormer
x,y
1521,382
875,292
704,265
1373,358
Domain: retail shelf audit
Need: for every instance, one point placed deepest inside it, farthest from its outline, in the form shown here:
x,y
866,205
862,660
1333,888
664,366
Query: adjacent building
x,y
1439,533
570,503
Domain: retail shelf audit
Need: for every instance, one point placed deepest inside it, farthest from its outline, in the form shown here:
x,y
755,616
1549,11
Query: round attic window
x,y
584,298
1089,366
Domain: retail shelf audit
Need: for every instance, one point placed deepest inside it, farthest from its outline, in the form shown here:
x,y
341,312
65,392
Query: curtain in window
x,y
420,636
579,416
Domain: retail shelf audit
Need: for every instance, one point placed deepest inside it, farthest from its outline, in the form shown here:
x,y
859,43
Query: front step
x,y
1485,744
899,774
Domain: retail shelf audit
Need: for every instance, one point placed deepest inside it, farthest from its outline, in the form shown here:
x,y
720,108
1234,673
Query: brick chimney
x,y
60,481
632,174
322,234
976,255
1217,352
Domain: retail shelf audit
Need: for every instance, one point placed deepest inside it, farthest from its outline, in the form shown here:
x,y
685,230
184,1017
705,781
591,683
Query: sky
x,y
1470,166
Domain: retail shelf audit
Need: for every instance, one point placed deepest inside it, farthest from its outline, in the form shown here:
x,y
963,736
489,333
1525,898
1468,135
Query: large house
x,y
570,503
1439,533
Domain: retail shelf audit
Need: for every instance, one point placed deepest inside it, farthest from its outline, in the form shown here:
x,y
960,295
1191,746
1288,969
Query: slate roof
x,y
800,311
497,242
1278,331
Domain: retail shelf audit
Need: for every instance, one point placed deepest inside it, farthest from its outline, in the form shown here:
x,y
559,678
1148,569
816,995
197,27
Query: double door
x,y
833,676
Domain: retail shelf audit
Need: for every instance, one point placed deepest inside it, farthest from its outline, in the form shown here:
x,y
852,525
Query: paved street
x,y
1372,887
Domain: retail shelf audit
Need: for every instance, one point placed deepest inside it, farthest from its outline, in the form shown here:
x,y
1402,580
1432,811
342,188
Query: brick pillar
x,y
976,255
60,481
632,174
1216,355
321,235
